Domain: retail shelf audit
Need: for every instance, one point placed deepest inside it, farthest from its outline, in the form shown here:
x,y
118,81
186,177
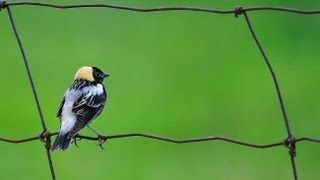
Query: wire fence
x,y
289,142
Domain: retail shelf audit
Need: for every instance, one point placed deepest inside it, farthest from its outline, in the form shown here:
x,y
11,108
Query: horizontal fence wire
x,y
45,136
165,139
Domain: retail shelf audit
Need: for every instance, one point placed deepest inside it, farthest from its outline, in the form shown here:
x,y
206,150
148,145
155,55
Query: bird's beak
x,y
104,75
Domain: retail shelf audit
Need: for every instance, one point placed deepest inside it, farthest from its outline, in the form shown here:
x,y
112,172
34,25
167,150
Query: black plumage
x,y
81,104
86,109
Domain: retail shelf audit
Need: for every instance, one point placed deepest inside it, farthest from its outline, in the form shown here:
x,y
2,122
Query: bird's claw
x,y
101,140
76,141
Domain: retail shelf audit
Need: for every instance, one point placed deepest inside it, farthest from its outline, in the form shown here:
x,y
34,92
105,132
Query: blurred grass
x,y
175,74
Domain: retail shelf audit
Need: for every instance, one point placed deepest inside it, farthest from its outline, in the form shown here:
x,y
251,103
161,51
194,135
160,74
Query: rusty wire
x,y
45,136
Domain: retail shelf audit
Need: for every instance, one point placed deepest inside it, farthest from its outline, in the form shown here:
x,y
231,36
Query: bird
x,y
81,104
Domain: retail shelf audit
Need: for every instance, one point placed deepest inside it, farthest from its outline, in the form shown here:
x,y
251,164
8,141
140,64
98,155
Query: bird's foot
x,y
101,139
75,140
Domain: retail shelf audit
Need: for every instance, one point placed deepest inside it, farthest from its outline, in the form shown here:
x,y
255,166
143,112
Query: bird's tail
x,y
62,142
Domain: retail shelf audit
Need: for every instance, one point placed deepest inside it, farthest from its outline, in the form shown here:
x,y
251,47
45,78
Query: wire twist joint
x,y
238,11
3,4
290,143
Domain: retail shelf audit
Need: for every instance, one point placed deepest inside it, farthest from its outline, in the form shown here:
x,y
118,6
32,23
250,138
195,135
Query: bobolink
x,y
81,104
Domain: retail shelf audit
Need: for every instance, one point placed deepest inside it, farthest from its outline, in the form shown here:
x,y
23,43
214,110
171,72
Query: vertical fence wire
x,y
289,142
276,83
35,94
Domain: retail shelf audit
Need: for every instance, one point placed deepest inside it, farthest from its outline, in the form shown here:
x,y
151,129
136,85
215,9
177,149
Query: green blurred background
x,y
174,74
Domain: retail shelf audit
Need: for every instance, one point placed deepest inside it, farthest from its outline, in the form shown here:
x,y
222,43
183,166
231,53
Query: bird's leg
x,y
101,138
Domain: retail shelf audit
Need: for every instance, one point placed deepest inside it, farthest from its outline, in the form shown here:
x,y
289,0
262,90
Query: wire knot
x,y
238,11
290,143
45,137
3,4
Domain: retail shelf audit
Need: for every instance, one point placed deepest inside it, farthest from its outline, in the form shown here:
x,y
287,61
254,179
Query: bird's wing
x,y
86,109
60,108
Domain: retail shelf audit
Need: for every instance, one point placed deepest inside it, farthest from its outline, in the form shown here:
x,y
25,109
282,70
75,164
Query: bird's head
x,y
92,74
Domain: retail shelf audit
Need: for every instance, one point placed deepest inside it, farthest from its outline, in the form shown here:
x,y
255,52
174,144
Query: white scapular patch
x,y
93,90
